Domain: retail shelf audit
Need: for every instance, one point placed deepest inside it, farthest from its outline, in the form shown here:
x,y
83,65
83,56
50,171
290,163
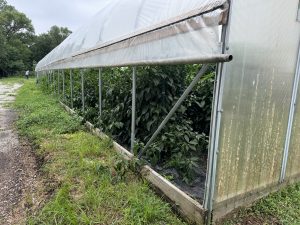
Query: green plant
x,y
158,88
76,168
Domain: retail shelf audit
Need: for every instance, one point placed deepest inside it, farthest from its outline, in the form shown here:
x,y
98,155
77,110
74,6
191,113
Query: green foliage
x,y
20,48
183,142
282,207
3,3
179,147
122,166
200,103
16,32
46,42
83,169
42,115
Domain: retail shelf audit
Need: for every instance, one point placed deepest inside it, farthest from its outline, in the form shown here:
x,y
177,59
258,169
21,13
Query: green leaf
x,y
186,138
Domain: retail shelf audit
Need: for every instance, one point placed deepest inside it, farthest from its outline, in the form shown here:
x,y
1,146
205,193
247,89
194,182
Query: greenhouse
x,y
203,92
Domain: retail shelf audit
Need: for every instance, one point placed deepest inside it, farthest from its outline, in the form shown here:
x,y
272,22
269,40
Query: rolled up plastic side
x,y
143,32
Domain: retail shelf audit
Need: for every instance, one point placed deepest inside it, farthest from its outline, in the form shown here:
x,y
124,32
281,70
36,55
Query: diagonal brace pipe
x,y
175,107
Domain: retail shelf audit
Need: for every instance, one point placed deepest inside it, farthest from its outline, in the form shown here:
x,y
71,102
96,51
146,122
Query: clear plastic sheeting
x,y
256,99
127,32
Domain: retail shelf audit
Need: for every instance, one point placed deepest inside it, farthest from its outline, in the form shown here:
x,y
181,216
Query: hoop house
x,y
254,144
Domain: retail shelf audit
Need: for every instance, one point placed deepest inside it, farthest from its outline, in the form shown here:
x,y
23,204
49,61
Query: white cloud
x,y
64,13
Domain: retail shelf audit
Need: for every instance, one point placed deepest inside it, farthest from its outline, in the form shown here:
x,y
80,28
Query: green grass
x,y
13,79
281,207
82,179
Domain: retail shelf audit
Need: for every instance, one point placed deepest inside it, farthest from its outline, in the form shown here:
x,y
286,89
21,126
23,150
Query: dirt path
x,y
17,164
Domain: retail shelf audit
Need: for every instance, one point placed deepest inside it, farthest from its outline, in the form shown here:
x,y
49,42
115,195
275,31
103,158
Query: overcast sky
x,y
63,13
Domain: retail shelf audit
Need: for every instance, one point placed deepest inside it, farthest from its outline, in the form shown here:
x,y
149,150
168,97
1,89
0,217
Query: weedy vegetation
x,y
86,181
279,208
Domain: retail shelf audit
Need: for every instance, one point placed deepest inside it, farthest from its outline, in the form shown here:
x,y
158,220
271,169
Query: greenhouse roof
x,y
141,32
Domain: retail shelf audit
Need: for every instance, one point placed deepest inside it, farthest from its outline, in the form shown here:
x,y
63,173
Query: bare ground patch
x,y
20,187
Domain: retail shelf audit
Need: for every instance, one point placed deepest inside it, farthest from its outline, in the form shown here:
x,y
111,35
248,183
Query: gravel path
x,y
18,171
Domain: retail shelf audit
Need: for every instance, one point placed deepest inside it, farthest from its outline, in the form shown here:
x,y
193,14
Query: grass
x,y
12,80
281,207
81,177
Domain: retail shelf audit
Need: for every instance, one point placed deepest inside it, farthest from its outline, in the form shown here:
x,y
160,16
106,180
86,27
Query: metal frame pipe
x,y
176,106
71,88
58,85
37,78
216,125
133,109
63,78
100,92
193,60
48,82
82,91
54,82
51,81
290,121
214,141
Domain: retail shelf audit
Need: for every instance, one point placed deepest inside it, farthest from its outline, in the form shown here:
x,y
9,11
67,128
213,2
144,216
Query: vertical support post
x,y
215,125
63,78
71,88
37,78
133,108
100,92
214,141
47,73
51,80
48,80
291,121
82,91
58,87
54,82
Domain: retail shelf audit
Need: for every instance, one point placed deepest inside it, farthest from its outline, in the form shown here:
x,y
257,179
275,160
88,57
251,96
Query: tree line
x,y
20,47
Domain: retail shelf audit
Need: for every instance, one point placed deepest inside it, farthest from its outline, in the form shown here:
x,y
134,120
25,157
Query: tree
x,y
3,3
15,24
16,35
19,46
46,42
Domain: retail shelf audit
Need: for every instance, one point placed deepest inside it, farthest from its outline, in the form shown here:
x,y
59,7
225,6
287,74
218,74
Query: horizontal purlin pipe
x,y
218,58
175,107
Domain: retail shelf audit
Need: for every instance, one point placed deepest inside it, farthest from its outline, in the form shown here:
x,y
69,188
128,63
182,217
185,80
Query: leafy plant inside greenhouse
x,y
183,143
